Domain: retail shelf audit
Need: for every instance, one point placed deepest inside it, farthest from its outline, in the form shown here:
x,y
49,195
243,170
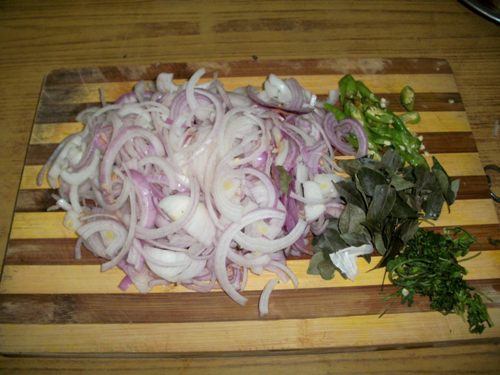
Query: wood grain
x,y
457,359
67,279
68,283
38,37
62,251
359,331
447,121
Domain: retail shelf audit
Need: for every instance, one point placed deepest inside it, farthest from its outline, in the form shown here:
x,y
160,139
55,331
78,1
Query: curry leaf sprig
x,y
384,201
428,266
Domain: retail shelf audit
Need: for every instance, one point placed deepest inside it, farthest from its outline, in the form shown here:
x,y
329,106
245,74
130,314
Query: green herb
x,y
385,130
428,266
283,177
384,202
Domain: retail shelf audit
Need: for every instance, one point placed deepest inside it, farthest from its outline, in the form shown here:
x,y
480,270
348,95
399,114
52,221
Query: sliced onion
x,y
194,185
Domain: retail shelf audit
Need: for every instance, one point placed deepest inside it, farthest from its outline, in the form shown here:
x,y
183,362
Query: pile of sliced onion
x,y
184,184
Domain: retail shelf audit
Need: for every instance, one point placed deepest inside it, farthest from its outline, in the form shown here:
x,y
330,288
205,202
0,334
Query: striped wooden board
x,y
52,303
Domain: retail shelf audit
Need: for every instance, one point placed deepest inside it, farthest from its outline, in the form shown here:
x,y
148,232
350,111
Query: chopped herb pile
x,y
428,266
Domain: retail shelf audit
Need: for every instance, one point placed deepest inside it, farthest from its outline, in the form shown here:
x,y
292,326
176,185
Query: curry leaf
x,y
314,262
382,203
378,241
348,191
402,210
392,161
350,166
407,230
369,179
326,269
454,186
433,205
330,241
400,183
351,219
362,237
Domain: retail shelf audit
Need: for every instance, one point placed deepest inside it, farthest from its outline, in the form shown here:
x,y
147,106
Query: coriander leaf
x,y
428,266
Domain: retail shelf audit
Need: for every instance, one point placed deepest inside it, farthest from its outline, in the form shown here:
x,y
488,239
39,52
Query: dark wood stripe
x,y
51,111
216,306
447,142
53,251
34,200
38,154
61,251
444,142
250,67
38,200
473,187
61,112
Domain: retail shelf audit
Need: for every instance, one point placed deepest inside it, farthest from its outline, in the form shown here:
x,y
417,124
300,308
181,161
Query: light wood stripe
x,y
318,84
67,279
32,225
453,121
460,164
217,307
456,164
40,225
337,332
62,251
53,133
37,200
431,122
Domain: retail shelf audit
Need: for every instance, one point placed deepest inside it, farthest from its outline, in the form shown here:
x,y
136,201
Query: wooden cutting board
x,y
52,303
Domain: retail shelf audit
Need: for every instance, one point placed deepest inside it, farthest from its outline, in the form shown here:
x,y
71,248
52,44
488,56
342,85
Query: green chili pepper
x,y
400,125
407,97
347,87
365,92
410,117
339,115
353,112
378,115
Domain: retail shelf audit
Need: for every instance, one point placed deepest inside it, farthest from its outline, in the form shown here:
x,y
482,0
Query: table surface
x,y
37,37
